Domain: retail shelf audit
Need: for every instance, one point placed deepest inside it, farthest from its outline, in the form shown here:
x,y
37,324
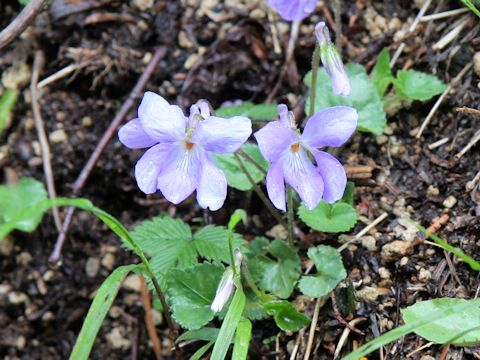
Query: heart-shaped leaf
x,y
333,218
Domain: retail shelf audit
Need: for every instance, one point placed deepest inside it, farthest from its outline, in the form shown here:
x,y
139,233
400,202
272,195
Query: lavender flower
x,y
332,62
292,10
287,150
224,290
179,159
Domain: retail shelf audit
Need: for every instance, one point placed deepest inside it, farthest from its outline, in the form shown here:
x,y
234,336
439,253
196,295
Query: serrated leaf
x,y
211,242
332,218
416,85
254,309
286,316
258,112
191,291
330,271
235,176
98,310
363,97
460,328
14,199
278,272
382,76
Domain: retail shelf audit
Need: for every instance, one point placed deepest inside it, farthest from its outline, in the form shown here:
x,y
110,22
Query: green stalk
x,y
232,255
313,86
291,235
259,192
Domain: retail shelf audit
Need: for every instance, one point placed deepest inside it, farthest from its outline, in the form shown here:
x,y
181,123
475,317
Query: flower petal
x,y
222,135
180,177
276,185
333,175
133,136
330,127
212,189
293,9
160,120
274,138
150,165
303,177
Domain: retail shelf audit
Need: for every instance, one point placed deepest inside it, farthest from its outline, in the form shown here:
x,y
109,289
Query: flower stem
x,y
251,284
232,255
291,235
313,86
252,161
259,192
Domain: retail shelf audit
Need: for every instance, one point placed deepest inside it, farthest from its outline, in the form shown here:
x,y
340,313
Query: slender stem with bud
x,y
290,215
313,86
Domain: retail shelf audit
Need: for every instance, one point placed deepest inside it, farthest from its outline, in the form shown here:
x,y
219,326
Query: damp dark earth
x,y
244,179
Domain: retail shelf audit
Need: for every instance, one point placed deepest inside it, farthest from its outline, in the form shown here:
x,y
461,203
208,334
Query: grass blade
x,y
98,310
242,339
229,325
200,352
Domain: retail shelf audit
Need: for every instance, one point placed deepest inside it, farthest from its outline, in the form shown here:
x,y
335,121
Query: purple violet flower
x,y
179,160
292,10
224,290
282,145
331,61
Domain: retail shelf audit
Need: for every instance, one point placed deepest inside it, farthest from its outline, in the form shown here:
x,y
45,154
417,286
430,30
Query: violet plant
x,y
208,273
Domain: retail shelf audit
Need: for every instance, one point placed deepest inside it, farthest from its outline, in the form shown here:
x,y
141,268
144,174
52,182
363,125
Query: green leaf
x,y
460,328
382,76
416,324
200,352
211,242
416,85
98,310
235,176
242,339
349,193
279,271
332,218
7,102
169,243
205,334
286,316
229,325
471,6
248,109
237,216
14,199
191,292
363,97
330,271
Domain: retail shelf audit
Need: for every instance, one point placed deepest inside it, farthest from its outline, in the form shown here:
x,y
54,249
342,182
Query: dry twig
x,y
471,143
339,316
467,110
313,326
16,27
364,231
147,306
42,136
107,136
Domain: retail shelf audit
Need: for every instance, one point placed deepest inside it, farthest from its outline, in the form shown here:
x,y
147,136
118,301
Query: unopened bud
x,y
331,61
224,291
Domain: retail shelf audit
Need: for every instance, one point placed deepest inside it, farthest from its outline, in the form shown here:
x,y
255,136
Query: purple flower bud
x,y
224,291
331,61
179,160
292,10
288,152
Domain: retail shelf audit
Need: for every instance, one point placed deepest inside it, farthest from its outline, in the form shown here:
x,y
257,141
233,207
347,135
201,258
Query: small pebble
x,y
384,273
368,294
369,243
117,340
133,282
433,191
476,63
92,266
424,275
450,202
16,297
6,246
87,121
142,5
24,258
427,357
396,249
21,342
49,274
58,136
108,261
404,261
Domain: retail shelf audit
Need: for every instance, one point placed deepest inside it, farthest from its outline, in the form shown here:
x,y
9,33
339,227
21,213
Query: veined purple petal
x,y
150,165
160,120
222,135
303,177
276,185
293,9
180,177
274,138
133,136
333,175
212,189
330,127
